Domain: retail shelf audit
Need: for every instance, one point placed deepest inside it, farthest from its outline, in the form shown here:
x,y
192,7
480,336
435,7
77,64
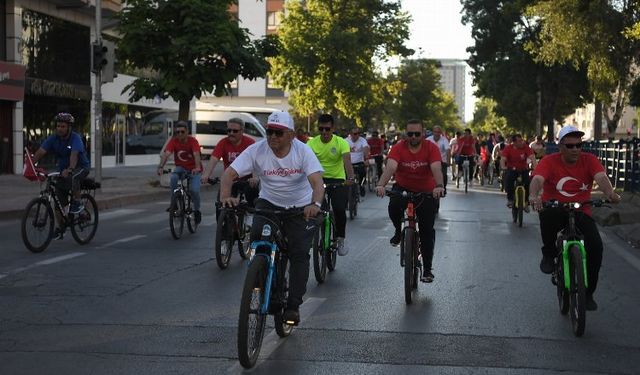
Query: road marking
x,y
271,341
122,240
119,213
42,263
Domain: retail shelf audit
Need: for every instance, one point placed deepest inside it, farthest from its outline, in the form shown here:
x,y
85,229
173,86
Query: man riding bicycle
x,y
333,152
359,153
466,147
445,151
416,164
228,149
186,154
567,177
290,176
376,149
515,162
72,161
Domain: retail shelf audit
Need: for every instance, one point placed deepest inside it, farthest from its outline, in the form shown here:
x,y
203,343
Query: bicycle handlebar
x,y
407,194
289,212
575,205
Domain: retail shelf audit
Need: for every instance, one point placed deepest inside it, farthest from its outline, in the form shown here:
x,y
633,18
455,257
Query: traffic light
x,y
98,57
108,70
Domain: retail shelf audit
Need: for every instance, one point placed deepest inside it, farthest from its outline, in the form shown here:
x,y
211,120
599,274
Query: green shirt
x,y
330,155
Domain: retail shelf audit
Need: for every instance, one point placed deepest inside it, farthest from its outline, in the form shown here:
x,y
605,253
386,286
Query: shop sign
x,y
11,82
43,87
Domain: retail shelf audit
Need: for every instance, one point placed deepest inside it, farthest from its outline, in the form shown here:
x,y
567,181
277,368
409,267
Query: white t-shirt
x,y
357,149
443,145
283,182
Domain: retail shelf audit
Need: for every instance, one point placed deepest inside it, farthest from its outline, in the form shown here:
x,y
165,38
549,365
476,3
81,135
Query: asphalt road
x,y
135,301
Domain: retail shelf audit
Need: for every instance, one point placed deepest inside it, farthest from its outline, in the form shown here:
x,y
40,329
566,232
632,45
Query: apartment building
x,y
453,75
584,119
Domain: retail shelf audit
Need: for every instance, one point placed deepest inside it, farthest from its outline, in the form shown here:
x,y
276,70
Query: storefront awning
x,y
11,82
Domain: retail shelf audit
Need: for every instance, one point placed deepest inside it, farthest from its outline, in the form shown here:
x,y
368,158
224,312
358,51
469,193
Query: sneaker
x,y
427,277
58,234
362,191
546,265
342,250
198,216
291,317
590,303
395,240
76,207
510,204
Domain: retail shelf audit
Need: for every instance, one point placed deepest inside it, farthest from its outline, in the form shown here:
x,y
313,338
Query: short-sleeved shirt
x,y
62,149
357,149
228,152
517,158
376,145
414,170
568,183
283,181
443,145
330,155
466,146
183,153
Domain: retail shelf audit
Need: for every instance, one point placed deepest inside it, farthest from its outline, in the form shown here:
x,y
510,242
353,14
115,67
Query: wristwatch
x,y
318,204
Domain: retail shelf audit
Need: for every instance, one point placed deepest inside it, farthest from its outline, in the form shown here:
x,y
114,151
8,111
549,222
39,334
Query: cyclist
x,y
376,149
453,145
228,150
290,176
359,153
416,164
515,161
538,147
567,176
466,146
445,151
72,161
186,154
334,155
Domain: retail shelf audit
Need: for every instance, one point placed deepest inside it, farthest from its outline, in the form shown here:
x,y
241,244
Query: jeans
x,y
70,183
195,185
379,159
510,182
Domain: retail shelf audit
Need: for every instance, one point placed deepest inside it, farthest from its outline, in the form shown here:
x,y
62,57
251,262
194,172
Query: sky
x,y
437,32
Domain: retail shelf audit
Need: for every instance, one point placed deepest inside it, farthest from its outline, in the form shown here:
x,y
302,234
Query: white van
x,y
261,113
209,127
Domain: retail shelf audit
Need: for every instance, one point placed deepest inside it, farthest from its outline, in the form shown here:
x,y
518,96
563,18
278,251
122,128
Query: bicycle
x,y
180,209
354,199
37,224
410,242
232,226
324,242
490,173
465,172
265,289
570,273
372,174
519,202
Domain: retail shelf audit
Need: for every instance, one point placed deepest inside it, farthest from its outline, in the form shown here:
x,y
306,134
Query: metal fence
x,y
621,160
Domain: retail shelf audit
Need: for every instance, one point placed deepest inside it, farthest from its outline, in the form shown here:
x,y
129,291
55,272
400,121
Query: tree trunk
x,y
597,121
183,111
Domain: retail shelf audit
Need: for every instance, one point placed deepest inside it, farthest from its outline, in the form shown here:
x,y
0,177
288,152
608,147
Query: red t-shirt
x,y
568,183
517,157
414,170
228,152
466,146
376,146
183,152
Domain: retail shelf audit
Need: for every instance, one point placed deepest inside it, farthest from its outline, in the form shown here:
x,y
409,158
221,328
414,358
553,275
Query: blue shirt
x,y
62,148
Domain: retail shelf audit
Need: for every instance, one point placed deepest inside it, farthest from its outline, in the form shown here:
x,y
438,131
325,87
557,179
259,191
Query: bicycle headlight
x,y
266,230
576,205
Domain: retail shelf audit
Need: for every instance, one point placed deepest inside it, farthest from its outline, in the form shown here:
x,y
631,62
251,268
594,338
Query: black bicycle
x,y
519,202
232,227
180,209
324,241
38,220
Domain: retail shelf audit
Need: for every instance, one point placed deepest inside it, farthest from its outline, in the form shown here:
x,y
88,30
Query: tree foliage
x,y
193,46
486,120
328,50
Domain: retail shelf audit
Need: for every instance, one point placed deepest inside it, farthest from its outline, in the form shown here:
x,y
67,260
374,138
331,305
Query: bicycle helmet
x,y
64,117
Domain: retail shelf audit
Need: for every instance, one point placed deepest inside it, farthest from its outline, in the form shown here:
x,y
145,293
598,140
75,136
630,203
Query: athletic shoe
x,y
76,207
198,216
342,249
546,265
395,240
291,317
427,277
590,304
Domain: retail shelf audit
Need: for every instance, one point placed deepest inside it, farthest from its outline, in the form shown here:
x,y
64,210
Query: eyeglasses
x,y
233,131
180,131
573,145
324,129
414,134
358,133
277,132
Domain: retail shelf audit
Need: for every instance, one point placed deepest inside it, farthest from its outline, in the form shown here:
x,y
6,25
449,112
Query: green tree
x,y
486,120
596,34
328,53
192,46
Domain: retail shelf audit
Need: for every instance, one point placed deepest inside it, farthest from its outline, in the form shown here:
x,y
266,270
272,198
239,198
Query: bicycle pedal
x,y
291,322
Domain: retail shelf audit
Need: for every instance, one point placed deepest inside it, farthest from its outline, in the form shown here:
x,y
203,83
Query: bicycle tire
x,y
176,215
282,329
353,201
86,219
520,216
223,245
319,255
577,297
332,255
43,223
192,224
561,292
466,180
409,263
244,238
250,335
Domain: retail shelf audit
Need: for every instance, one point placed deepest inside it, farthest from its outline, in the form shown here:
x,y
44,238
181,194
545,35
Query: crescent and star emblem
x,y
563,180
181,157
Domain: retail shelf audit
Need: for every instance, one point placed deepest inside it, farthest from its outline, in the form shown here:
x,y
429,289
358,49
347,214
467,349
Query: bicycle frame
x,y
566,245
271,257
519,193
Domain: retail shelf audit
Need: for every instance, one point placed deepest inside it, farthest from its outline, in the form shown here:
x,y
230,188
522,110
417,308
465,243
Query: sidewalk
x,y
623,218
121,186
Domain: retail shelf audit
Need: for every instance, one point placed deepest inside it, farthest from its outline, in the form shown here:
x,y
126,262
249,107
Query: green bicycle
x,y
324,241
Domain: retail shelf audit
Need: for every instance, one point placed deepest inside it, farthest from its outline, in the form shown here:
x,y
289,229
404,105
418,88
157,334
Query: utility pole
x,y
97,99
539,109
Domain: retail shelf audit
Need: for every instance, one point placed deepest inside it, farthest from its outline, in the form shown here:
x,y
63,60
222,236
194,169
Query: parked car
x,y
210,127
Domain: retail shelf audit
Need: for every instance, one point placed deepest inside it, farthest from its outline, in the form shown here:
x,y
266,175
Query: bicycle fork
x,y
271,257
566,245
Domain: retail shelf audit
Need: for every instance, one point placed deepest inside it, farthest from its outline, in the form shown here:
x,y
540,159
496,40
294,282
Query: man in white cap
x,y
568,176
290,177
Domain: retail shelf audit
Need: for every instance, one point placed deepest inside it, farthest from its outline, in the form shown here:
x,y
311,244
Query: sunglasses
x,y
180,131
414,134
278,133
572,145
233,131
324,129
355,133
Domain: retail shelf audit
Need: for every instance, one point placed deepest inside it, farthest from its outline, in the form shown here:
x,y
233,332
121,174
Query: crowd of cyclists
x,y
290,169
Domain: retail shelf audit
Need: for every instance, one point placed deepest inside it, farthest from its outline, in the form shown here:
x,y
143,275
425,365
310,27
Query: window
x,y
212,127
250,129
273,20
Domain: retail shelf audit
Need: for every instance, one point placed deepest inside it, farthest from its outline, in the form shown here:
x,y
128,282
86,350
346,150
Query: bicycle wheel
x,y
466,180
577,291
37,225
352,201
332,254
251,322
562,292
409,263
85,224
282,329
224,238
319,255
176,215
244,238
192,224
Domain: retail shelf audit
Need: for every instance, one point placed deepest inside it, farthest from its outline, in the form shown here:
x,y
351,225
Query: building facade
x,y
453,75
584,119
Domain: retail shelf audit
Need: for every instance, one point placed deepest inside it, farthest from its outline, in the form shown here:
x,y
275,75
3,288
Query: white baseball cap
x,y
569,129
281,120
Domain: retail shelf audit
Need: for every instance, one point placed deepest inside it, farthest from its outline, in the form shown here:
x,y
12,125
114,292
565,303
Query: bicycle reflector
x,y
266,230
576,205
